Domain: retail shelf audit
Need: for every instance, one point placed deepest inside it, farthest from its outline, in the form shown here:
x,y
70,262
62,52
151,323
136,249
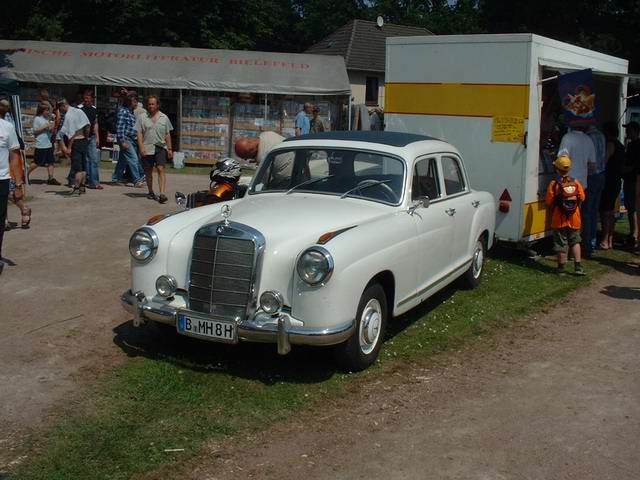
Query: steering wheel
x,y
386,190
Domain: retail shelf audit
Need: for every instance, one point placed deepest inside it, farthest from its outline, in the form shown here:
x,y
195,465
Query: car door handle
x,y
451,212
475,203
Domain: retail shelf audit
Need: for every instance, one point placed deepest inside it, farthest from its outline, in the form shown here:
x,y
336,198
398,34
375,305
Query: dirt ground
x,y
60,302
557,397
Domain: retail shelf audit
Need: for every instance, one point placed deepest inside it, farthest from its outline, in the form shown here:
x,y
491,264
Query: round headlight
x,y
166,286
143,244
315,265
271,302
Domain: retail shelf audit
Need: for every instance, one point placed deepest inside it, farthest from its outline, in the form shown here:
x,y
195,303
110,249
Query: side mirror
x,y
420,202
181,199
424,201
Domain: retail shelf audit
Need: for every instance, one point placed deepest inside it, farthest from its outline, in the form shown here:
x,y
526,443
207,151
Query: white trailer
x,y
483,94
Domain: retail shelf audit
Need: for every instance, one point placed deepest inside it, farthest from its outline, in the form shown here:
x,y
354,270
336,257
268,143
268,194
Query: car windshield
x,y
344,173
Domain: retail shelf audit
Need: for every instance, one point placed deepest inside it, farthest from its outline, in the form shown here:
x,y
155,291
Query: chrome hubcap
x,y
370,323
478,260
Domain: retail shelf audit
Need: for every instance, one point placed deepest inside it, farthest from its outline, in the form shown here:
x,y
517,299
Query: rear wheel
x,y
362,349
471,278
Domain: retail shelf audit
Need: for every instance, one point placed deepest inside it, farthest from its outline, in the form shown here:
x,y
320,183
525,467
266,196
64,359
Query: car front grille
x,y
221,274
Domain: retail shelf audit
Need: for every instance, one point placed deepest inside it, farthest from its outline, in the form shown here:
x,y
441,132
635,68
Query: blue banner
x,y
578,97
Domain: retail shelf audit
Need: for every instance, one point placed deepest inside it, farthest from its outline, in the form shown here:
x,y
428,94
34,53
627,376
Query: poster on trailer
x,y
578,97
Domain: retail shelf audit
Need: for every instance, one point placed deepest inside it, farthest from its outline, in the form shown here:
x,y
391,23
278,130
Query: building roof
x,y
175,68
362,43
393,139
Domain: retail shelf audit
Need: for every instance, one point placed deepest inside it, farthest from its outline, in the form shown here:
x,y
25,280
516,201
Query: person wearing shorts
x,y
76,128
566,226
154,140
43,154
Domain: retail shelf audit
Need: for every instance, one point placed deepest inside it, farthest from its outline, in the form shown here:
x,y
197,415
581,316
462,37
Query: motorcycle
x,y
224,185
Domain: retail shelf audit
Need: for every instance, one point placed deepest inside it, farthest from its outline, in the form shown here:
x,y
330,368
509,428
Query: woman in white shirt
x,y
42,131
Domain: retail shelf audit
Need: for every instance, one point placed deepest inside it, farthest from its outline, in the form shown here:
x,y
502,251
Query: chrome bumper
x,y
281,332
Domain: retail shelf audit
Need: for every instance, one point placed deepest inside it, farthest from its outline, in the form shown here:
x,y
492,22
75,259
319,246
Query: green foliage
x,y
294,25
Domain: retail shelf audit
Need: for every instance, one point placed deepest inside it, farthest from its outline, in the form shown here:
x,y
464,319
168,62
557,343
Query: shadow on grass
x,y
521,258
398,324
254,361
622,293
628,268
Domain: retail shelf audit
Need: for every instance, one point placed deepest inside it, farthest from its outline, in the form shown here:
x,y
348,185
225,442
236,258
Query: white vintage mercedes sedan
x,y
338,233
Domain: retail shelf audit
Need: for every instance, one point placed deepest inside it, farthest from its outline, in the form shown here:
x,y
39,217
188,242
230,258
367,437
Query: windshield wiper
x,y
370,183
308,182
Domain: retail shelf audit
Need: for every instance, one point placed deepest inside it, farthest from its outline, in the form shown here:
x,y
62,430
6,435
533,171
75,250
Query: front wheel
x,y
471,278
362,349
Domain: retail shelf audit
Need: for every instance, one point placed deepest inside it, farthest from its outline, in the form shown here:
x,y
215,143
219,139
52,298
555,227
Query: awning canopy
x,y
563,67
177,68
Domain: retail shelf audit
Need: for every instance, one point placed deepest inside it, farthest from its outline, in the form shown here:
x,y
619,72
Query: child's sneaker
x,y
579,270
560,270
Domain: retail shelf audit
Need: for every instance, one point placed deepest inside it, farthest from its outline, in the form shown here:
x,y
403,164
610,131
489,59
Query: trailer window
x,y
452,174
425,180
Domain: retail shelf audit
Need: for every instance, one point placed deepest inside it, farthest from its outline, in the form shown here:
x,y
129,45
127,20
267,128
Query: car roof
x,y
393,139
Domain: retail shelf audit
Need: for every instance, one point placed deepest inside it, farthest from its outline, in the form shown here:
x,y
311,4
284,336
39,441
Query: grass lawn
x,y
179,393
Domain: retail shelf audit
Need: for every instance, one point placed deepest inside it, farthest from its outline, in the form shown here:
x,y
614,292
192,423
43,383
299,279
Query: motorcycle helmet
x,y
227,168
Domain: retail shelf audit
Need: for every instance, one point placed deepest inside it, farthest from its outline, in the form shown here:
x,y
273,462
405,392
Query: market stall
x,y
211,96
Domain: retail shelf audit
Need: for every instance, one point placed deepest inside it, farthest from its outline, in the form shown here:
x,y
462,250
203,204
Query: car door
x,y
460,207
434,227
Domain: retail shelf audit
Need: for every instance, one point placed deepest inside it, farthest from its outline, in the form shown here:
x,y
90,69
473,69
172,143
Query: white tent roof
x,y
179,68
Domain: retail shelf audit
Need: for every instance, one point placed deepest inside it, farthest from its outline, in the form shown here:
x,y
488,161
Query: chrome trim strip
x,y
247,331
413,296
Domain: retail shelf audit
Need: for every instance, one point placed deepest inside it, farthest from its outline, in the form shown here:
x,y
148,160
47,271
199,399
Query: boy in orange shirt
x,y
564,196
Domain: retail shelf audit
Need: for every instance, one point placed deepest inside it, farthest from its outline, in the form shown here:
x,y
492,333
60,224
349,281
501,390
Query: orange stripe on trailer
x,y
457,99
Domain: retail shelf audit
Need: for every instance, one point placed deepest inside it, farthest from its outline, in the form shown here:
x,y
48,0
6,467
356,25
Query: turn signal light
x,y
156,218
325,237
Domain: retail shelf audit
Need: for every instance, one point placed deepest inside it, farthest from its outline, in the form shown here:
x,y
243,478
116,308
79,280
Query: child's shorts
x,y
565,238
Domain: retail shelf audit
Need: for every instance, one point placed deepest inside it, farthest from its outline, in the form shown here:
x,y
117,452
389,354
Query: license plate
x,y
197,326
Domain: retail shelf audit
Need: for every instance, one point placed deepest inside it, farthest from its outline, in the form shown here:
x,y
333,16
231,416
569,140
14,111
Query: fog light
x,y
166,286
271,302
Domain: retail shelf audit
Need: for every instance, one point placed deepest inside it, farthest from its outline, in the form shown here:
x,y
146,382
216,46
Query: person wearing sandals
x,y
43,153
9,157
16,197
154,141
76,128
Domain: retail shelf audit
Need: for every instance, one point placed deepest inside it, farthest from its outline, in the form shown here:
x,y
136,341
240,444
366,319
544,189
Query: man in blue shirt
x,y
127,137
303,124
